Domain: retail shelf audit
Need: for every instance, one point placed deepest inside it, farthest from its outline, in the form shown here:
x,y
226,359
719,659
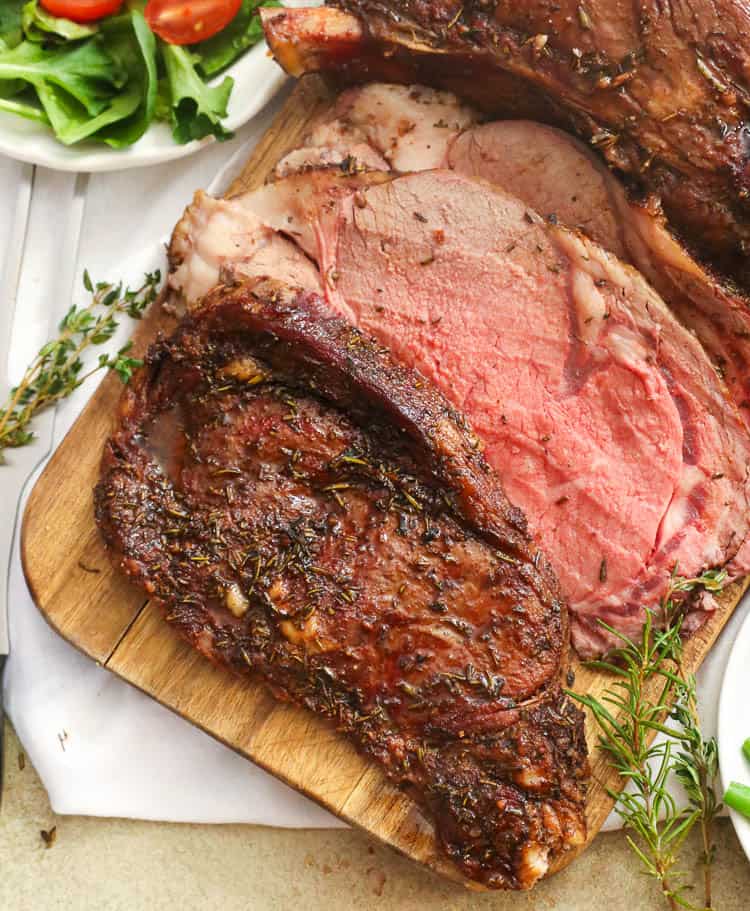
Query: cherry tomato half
x,y
82,10
189,21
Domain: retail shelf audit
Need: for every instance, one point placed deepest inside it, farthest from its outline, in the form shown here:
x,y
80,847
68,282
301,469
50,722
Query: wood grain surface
x,y
99,612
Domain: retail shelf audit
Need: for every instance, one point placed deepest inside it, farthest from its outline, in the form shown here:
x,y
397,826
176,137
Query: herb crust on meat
x,y
306,510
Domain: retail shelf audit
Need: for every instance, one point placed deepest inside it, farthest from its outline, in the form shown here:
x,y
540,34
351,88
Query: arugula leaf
x,y
144,81
222,49
130,111
11,32
85,71
197,108
70,119
39,25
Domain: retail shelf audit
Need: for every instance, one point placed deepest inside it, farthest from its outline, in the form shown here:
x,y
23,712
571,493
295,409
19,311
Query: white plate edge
x,y
735,768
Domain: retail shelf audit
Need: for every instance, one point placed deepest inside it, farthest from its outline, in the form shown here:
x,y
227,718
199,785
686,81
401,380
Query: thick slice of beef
x,y
602,414
561,178
549,170
661,91
213,233
305,509
270,232
552,172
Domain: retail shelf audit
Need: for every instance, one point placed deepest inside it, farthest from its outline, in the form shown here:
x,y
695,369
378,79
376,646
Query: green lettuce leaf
x,y
197,108
70,120
221,50
39,25
11,32
83,70
129,113
143,80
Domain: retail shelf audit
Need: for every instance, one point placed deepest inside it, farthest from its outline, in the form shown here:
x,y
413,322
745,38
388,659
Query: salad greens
x,y
217,53
196,108
109,81
39,25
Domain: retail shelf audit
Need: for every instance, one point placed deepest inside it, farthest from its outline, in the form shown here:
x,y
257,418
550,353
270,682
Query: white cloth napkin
x,y
101,747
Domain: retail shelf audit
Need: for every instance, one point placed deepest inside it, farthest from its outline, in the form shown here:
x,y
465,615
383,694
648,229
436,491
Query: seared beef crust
x,y
306,510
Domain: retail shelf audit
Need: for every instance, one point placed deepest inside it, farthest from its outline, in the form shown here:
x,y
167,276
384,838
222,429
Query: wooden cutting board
x,y
99,612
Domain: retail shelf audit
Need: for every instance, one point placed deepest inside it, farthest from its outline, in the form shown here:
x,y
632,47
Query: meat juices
x,y
330,523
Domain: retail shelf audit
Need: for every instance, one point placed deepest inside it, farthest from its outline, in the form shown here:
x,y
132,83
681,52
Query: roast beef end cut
x,y
306,510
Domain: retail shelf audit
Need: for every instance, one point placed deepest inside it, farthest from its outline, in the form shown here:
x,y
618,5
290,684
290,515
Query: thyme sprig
x,y
653,693
58,368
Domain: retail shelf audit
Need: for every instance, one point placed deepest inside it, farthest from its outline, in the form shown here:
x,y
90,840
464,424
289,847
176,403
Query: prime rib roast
x,y
660,90
331,515
306,509
602,415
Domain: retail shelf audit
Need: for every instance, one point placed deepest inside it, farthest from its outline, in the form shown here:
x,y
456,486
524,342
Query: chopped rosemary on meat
x,y
652,683
57,370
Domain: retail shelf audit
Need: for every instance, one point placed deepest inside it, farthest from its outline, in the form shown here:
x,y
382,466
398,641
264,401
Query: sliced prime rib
x,y
305,509
661,91
559,177
602,415
553,173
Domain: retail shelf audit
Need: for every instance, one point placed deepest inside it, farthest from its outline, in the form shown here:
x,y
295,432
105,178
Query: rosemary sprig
x,y
58,369
652,688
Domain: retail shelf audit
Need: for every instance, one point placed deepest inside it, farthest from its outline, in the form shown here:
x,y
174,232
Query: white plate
x,y
257,78
734,724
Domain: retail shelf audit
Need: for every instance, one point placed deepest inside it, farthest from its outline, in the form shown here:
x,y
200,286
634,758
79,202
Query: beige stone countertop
x,y
126,865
